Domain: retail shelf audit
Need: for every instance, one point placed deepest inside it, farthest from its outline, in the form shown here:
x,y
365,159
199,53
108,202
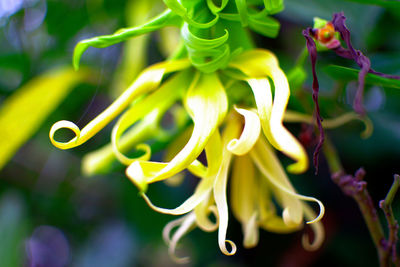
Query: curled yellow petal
x,y
139,170
244,199
214,157
259,64
206,103
65,125
249,62
281,137
269,165
243,195
147,81
100,161
231,131
319,232
166,234
250,232
185,224
293,116
202,211
199,195
250,133
155,105
196,168
276,224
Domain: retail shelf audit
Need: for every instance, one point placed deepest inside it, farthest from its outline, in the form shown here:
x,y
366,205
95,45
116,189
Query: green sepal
x,y
214,8
273,6
263,24
319,23
186,13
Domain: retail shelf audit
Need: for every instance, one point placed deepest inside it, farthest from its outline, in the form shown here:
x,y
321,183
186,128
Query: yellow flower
x,y
209,99
257,178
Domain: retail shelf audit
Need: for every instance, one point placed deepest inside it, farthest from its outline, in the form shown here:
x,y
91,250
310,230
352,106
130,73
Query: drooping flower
x,y
215,69
257,178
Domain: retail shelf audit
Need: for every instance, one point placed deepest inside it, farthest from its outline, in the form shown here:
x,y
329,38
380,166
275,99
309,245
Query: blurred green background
x,y
52,215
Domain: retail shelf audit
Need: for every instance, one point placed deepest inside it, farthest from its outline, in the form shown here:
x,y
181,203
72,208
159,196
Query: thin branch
x,y
355,187
386,206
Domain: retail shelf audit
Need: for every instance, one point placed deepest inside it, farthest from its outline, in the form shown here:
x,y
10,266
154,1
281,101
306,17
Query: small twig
x,y
355,187
386,206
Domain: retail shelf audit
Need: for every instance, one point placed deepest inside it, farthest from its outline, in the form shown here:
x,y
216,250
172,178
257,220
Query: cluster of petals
x,y
239,141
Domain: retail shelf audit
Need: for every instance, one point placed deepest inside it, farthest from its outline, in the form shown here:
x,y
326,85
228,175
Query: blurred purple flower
x,y
47,247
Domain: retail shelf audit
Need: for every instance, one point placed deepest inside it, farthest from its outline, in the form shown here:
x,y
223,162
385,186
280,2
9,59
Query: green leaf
x,y
349,74
383,3
23,112
167,18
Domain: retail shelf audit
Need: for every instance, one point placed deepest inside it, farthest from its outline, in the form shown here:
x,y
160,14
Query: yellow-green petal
x,y
244,195
251,232
319,232
186,223
259,64
147,81
203,211
206,103
250,133
156,104
214,157
269,165
231,131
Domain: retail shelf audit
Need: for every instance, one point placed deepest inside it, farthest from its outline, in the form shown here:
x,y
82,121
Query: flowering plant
x,y
213,73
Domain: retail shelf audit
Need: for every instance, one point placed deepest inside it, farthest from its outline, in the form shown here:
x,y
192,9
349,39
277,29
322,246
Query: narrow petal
x,y
286,142
276,224
244,199
318,228
250,133
166,234
207,104
100,161
270,166
196,168
250,232
243,194
231,131
147,81
186,223
203,211
268,217
156,104
259,64
214,156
